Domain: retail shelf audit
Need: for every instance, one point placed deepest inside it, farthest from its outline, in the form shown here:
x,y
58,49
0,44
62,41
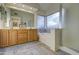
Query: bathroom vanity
x,y
17,24
10,37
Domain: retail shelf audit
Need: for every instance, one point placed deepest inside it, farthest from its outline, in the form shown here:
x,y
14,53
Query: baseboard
x,y
70,51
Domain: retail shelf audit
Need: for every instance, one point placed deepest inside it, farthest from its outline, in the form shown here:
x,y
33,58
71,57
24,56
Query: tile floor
x,y
32,48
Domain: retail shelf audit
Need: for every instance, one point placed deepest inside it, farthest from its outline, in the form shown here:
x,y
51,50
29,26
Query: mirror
x,y
13,18
3,17
21,19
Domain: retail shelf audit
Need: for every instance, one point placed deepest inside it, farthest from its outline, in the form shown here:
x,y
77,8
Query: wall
x,y
48,39
51,39
70,33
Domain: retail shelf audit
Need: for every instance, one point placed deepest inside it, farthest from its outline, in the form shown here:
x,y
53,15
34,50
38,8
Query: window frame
x,y
51,15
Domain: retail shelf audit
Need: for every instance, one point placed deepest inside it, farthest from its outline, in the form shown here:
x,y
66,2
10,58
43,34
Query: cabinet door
x,y
35,38
22,36
32,35
4,37
0,38
12,37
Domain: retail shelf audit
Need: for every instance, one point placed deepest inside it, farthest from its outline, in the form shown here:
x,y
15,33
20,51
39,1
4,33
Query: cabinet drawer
x,y
22,32
22,39
22,36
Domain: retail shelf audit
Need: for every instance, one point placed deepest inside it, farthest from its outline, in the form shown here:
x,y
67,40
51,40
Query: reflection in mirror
x,y
3,16
22,19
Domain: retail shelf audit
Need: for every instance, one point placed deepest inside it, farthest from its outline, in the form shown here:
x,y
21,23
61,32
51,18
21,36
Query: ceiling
x,y
45,8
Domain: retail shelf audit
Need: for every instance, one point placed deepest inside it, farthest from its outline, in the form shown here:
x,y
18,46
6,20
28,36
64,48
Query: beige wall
x,y
51,39
70,33
48,39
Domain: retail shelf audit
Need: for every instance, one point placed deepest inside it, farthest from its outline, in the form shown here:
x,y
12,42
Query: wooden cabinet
x,y
4,38
12,37
22,36
0,38
32,35
35,35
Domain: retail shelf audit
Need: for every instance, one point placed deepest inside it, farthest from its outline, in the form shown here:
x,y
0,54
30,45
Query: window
x,y
40,22
53,20
44,23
